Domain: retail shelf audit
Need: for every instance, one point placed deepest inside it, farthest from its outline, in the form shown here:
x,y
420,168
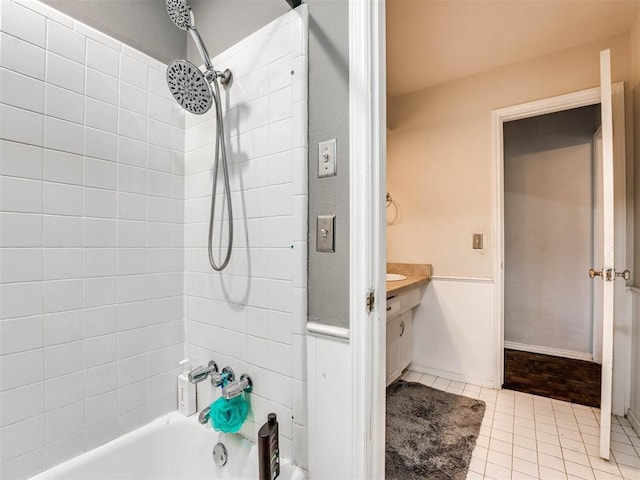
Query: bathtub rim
x,y
172,417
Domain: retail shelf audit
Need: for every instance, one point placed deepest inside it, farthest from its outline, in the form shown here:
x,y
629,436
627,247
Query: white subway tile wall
x,y
252,316
91,239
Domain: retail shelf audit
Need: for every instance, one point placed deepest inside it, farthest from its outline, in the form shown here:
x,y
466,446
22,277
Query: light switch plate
x,y
325,226
477,241
327,158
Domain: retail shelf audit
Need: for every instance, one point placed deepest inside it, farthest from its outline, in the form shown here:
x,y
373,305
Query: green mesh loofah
x,y
228,415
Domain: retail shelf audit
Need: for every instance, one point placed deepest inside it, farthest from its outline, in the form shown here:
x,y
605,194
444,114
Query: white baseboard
x,y
556,352
451,376
633,420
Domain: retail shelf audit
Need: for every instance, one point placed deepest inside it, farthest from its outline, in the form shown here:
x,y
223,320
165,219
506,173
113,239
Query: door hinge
x,y
371,300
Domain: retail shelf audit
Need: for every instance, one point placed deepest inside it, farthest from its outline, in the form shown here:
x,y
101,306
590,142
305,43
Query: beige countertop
x,y
417,274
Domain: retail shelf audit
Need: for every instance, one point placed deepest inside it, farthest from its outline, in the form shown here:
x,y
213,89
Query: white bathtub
x,y
171,447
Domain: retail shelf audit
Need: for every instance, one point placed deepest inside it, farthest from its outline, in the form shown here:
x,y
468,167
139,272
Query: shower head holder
x,y
225,77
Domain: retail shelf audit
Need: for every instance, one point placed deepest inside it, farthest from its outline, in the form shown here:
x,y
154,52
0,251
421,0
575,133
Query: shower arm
x,y
202,50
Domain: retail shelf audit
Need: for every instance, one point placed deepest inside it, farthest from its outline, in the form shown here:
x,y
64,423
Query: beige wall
x,y
439,154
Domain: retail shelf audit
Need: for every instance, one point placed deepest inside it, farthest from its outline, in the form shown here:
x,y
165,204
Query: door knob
x,y
605,274
626,274
593,273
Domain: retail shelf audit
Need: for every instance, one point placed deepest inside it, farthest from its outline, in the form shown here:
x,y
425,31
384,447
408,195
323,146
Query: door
x,y
613,219
607,274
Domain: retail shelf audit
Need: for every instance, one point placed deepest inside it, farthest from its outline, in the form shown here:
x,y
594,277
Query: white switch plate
x,y
327,158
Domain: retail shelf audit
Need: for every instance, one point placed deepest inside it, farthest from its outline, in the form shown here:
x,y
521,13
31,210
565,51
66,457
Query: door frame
x,y
367,242
583,98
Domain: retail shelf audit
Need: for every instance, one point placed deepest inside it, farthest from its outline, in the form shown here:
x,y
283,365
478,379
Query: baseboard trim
x,y
556,352
452,376
633,420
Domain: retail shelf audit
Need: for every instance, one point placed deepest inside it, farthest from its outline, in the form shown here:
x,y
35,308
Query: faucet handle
x,y
235,388
222,378
198,374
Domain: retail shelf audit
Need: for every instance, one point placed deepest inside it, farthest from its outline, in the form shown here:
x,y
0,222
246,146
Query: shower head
x,y
180,13
189,87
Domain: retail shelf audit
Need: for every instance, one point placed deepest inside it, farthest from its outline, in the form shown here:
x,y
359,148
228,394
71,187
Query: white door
x,y
613,242
608,267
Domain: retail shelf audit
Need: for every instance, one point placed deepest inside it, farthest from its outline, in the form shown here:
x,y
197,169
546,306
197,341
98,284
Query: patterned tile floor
x,y
526,436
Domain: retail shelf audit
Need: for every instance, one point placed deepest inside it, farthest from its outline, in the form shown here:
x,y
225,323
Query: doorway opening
x,y
552,236
614,398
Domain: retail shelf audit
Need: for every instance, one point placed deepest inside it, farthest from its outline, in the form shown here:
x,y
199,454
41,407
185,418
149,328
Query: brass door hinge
x,y
371,301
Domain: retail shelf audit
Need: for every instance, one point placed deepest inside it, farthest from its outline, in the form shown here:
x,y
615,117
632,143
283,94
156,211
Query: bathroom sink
x,y
394,277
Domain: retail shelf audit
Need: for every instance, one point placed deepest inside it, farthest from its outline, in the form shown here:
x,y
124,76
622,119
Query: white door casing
x,y
367,182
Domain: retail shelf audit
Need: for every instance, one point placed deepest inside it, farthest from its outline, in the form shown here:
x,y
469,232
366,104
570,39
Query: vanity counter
x,y
417,274
393,288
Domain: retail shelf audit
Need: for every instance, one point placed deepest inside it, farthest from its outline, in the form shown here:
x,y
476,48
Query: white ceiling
x,y
430,42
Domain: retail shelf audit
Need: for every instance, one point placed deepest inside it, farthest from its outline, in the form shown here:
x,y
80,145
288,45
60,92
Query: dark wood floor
x,y
566,379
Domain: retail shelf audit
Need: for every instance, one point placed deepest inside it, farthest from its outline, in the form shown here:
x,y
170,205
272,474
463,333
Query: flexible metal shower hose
x,y
220,155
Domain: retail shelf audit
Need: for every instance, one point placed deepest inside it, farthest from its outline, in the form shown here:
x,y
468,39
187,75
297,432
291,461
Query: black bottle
x,y
268,449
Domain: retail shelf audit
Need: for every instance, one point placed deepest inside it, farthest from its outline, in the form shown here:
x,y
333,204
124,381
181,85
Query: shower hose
x,y
220,156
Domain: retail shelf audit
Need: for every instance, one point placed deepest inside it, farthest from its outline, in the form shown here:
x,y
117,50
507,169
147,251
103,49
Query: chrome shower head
x,y
180,13
189,87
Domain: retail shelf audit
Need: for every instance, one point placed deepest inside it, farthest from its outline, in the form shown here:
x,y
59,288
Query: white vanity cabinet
x,y
400,331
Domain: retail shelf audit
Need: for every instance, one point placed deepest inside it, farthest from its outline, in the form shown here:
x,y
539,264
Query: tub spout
x,y
204,415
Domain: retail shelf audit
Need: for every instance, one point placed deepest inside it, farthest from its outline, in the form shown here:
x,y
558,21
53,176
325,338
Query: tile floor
x,y
526,436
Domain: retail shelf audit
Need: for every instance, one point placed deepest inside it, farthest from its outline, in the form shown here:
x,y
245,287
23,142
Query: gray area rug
x,y
430,433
